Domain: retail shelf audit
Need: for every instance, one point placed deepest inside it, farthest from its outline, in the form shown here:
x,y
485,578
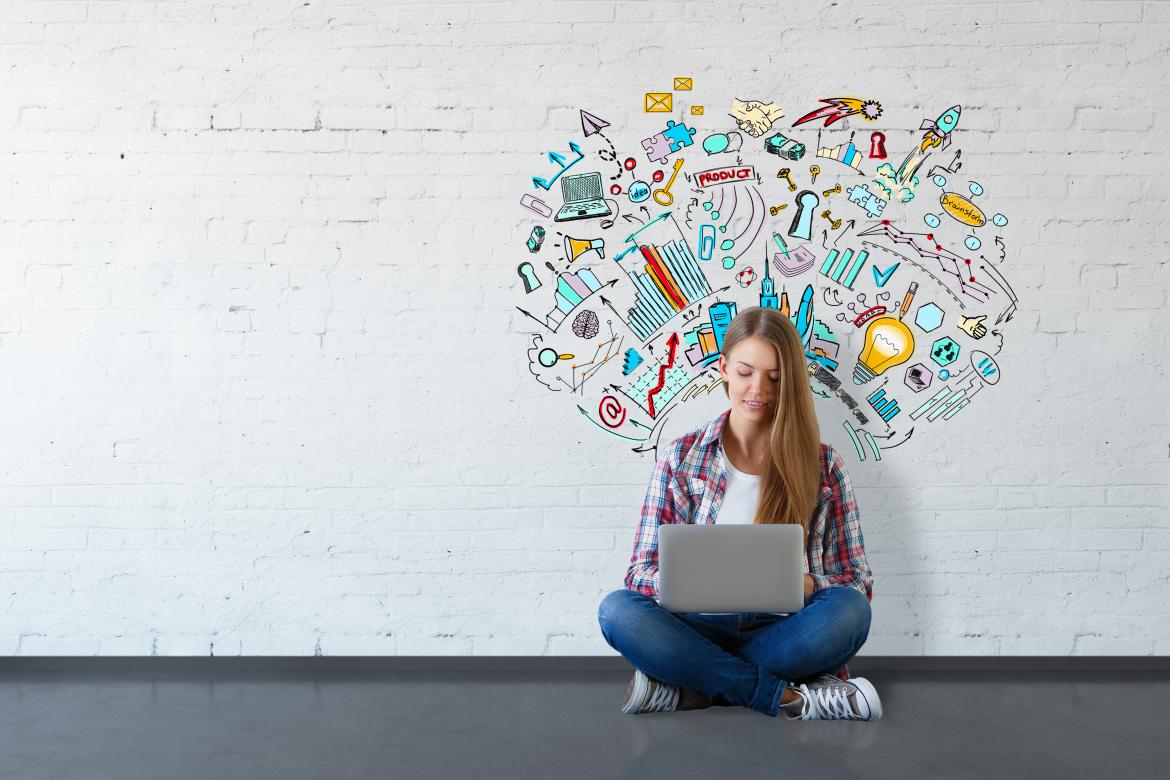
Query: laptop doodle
x,y
582,198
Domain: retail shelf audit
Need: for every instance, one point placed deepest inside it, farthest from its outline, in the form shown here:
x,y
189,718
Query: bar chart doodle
x,y
906,315
843,267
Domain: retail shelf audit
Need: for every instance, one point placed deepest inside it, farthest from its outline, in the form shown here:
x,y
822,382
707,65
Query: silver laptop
x,y
731,568
583,198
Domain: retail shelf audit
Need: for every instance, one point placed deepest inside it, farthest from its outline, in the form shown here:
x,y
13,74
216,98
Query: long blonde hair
x,y
791,480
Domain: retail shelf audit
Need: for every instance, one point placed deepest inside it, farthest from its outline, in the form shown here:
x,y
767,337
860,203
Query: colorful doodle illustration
x,y
583,199
717,143
839,108
888,343
658,102
937,135
846,153
782,146
886,178
628,313
754,117
558,159
885,406
873,205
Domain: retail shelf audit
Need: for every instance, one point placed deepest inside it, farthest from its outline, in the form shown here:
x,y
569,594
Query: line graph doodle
x,y
646,343
672,343
612,346
925,245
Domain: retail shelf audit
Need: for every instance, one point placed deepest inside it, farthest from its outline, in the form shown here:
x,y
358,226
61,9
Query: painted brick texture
x,y
264,384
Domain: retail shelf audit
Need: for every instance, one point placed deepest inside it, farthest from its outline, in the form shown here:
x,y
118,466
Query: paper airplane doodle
x,y
666,314
590,124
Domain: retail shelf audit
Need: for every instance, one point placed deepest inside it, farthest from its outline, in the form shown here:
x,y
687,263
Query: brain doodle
x,y
586,325
649,239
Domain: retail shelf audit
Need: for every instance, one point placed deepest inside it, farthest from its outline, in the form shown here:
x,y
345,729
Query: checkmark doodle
x,y
881,277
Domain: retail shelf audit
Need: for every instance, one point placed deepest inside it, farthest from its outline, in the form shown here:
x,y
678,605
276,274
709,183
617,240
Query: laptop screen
x,y
587,186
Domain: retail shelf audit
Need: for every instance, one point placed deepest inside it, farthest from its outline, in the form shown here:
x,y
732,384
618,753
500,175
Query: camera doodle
x,y
657,267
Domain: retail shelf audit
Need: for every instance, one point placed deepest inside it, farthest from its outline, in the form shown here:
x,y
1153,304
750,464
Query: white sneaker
x,y
645,694
830,698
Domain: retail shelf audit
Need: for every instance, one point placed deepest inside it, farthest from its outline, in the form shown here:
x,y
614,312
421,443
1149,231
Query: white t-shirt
x,y
739,502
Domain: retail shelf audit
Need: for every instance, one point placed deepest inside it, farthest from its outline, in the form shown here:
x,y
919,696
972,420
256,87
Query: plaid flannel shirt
x,y
688,486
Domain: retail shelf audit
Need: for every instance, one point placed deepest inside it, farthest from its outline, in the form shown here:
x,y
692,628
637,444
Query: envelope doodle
x,y
658,102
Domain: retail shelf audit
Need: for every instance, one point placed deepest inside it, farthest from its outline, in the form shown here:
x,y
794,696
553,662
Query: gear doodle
x,y
675,269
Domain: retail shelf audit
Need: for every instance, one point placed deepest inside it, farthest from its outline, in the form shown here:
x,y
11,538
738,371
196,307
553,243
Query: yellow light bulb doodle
x,y
888,342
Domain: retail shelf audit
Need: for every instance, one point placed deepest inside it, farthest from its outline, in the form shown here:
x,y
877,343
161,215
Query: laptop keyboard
x,y
590,205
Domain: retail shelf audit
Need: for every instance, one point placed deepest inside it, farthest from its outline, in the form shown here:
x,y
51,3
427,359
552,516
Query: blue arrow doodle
x,y
559,159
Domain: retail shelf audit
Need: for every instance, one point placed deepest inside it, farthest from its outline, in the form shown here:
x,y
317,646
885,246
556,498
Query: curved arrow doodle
x,y
899,444
1000,335
607,430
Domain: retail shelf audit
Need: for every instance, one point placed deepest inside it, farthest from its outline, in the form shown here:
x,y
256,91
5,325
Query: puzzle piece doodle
x,y
657,147
861,195
680,135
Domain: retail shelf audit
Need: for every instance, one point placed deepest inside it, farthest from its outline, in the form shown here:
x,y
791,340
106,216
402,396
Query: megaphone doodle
x,y
575,247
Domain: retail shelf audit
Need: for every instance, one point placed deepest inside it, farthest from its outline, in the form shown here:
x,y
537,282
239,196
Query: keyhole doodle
x,y
806,203
653,365
528,274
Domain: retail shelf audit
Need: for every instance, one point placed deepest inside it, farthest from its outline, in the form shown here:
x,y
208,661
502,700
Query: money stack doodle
x,y
639,247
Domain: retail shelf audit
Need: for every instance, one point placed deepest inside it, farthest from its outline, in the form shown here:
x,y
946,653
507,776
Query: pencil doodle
x,y
626,309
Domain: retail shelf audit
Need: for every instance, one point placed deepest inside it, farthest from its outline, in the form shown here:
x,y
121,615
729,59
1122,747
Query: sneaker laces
x,y
829,702
664,699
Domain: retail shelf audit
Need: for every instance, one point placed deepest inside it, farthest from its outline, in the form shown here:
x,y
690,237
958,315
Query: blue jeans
x,y
739,658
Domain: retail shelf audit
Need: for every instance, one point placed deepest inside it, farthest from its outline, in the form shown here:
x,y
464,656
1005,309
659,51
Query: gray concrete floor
x,y
564,725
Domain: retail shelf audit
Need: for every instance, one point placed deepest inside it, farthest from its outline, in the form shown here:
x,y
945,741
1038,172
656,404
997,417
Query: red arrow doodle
x,y
671,342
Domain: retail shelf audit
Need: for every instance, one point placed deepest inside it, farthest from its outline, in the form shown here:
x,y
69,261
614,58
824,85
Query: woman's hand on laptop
x,y
809,586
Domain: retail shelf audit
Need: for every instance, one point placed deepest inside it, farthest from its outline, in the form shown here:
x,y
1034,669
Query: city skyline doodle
x,y
640,245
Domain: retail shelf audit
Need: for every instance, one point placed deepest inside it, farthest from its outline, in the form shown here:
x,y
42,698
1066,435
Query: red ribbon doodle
x,y
869,314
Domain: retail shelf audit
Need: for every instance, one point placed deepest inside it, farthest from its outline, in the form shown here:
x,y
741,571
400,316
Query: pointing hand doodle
x,y
640,336
973,326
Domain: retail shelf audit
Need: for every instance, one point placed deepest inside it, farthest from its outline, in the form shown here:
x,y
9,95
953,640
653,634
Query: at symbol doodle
x,y
611,412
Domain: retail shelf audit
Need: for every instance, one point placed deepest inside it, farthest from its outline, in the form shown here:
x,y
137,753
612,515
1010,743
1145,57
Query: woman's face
x,y
752,375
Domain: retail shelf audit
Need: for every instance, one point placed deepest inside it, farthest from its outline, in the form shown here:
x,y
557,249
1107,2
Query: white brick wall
x,y
264,388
